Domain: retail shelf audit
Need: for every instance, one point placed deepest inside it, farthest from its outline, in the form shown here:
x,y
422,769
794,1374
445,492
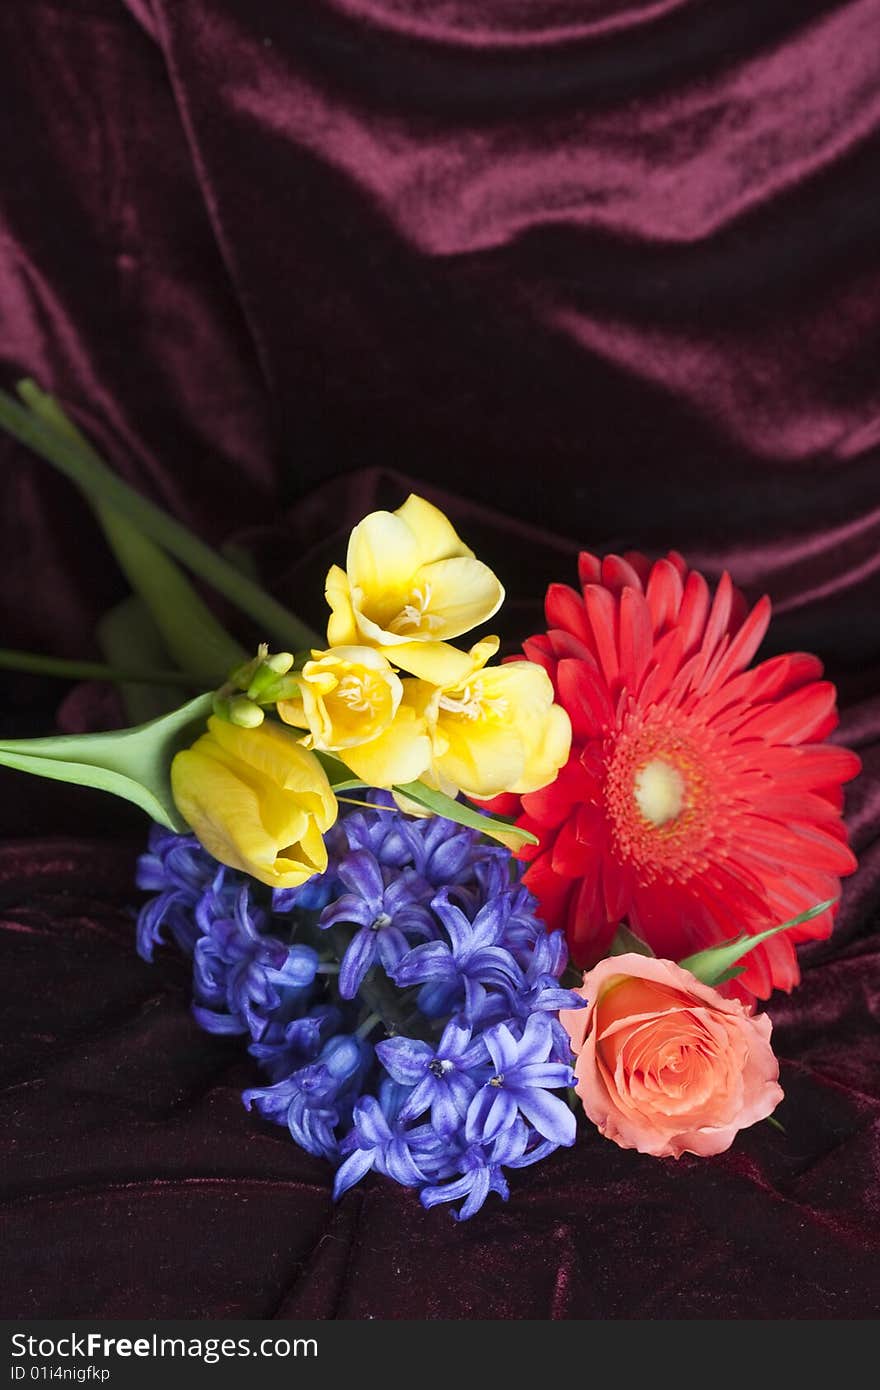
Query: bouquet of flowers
x,y
447,903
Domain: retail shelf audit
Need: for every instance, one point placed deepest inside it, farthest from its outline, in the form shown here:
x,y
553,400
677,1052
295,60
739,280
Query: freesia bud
x,y
280,663
245,713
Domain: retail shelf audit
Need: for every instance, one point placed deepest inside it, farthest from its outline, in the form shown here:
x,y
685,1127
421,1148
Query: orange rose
x,y
665,1065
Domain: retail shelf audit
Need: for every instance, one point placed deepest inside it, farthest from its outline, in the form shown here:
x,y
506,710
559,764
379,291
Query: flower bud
x,y
257,800
245,713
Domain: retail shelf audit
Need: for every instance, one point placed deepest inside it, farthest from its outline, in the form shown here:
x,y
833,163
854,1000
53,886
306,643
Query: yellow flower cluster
x,y
390,697
450,720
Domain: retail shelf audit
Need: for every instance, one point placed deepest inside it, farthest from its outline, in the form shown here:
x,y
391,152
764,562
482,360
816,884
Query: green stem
x,y
39,665
90,473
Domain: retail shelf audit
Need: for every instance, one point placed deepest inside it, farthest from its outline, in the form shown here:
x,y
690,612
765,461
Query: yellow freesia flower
x,y
399,755
347,695
495,729
351,704
409,583
257,800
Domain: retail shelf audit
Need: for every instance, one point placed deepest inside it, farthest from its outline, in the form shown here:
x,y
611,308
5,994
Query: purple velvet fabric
x,y
609,268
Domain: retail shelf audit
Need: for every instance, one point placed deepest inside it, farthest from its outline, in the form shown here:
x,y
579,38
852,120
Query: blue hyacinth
x,y
403,1005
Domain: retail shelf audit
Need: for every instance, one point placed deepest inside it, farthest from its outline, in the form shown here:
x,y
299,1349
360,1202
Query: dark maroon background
x,y
610,268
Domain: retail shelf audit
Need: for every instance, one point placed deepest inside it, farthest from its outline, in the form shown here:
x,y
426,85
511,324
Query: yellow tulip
x,y
495,729
257,800
410,583
351,704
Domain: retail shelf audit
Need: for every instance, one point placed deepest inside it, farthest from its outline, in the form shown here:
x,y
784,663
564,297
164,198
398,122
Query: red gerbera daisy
x,y
699,800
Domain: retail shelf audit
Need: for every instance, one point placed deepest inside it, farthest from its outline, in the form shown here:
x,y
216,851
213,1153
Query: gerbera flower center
x,y
659,790
660,798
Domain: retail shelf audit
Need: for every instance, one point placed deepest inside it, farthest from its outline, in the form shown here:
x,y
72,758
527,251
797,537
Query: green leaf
x,y
197,642
463,813
132,763
716,964
338,775
35,663
195,639
125,633
37,427
626,941
242,559
572,977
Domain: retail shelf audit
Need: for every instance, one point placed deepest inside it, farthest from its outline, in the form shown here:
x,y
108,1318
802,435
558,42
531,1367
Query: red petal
x,y
679,562
670,919
811,767
584,695
572,857
618,575
694,607
805,715
552,804
664,594
719,618
504,804
745,644
616,888
782,674
591,827
667,656
566,644
588,932
782,961
592,762
640,563
806,845
743,890
739,607
800,806
538,650
589,568
553,893
757,977
636,637
792,896
602,611
565,609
